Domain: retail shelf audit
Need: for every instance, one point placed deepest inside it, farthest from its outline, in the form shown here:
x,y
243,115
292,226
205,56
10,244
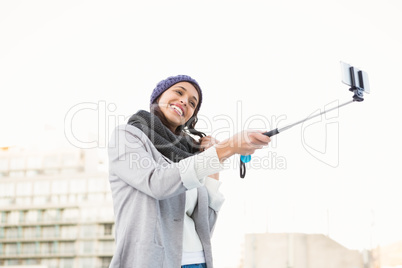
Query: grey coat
x,y
149,197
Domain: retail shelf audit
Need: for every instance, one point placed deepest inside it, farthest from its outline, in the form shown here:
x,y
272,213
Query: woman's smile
x,y
178,109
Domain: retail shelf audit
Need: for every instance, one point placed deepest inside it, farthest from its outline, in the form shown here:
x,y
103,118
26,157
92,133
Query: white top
x,y
192,248
193,252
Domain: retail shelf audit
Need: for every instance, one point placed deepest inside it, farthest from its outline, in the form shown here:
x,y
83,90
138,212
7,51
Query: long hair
x,y
182,130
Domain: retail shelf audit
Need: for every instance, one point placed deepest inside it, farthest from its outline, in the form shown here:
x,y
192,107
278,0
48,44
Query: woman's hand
x,y
248,141
207,142
245,142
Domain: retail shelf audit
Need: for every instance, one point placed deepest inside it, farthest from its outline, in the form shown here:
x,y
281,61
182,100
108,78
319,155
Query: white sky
x,y
254,59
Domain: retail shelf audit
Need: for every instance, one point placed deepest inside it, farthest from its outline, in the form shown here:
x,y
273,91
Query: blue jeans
x,y
200,265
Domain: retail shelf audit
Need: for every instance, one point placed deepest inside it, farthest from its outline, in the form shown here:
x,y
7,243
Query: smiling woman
x,y
165,184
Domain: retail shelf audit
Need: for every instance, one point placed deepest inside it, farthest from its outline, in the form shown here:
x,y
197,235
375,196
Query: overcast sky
x,y
89,65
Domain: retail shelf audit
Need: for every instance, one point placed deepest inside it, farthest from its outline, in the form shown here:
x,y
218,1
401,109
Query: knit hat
x,y
163,85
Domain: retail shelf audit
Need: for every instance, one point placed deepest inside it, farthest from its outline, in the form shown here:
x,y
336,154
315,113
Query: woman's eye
x,y
179,92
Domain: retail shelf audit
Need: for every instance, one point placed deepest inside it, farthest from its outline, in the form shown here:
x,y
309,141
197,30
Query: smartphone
x,y
352,76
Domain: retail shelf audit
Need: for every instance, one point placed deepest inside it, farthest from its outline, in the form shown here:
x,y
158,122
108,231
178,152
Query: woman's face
x,y
178,103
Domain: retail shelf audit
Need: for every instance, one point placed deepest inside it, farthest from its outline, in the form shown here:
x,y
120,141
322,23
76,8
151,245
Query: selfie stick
x,y
358,86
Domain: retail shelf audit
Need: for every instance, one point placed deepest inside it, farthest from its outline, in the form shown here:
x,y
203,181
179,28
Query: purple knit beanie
x,y
163,85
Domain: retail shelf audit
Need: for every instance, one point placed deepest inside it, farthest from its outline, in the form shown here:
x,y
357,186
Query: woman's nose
x,y
183,102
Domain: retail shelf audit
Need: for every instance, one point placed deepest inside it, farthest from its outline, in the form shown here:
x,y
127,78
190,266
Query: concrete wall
x,y
298,251
389,255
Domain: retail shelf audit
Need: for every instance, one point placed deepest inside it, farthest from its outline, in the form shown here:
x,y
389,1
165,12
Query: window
x,y
4,216
51,162
88,230
24,188
63,199
68,231
40,200
7,189
46,248
106,262
10,249
78,186
29,248
34,162
98,197
42,188
108,229
17,163
11,232
48,231
29,232
31,173
31,216
107,247
70,214
51,215
81,197
30,261
106,214
66,263
87,247
13,217
40,215
89,213
4,201
22,216
85,262
50,263
12,262
25,200
16,174
70,159
3,164
59,187
96,185
67,248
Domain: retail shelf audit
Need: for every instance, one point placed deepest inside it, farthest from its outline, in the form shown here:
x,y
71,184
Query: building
x,y
390,256
292,250
55,209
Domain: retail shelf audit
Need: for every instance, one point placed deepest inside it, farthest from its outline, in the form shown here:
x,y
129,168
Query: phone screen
x,y
361,77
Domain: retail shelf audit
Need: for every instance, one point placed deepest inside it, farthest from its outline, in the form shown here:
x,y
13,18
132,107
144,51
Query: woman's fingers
x,y
263,138
245,142
258,138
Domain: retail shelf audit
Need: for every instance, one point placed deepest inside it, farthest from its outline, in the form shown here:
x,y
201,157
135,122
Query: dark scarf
x,y
166,142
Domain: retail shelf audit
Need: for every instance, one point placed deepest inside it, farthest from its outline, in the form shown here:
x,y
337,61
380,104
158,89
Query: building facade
x,y
298,250
55,209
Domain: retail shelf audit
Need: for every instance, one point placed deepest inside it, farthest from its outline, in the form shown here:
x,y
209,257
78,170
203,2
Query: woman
x,y
165,184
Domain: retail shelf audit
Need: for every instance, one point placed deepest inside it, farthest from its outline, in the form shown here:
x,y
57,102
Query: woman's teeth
x,y
177,109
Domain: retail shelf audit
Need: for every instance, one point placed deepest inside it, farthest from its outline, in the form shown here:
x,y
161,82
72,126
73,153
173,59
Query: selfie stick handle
x,y
247,158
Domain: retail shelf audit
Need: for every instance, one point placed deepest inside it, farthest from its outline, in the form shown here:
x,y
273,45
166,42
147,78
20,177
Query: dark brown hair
x,y
188,127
